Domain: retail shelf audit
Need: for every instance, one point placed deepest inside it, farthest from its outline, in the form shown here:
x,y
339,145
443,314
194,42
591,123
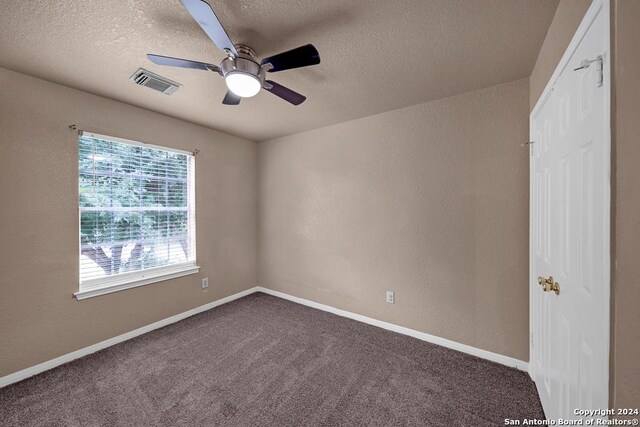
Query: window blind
x,y
137,212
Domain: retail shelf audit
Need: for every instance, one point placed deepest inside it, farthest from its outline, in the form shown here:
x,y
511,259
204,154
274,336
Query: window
x,y
137,214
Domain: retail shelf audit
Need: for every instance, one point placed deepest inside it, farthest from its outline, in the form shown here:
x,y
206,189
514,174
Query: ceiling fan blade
x,y
208,21
302,56
183,63
284,92
231,99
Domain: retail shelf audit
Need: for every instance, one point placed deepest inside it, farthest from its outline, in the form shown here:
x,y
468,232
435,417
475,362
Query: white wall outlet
x,y
205,283
391,297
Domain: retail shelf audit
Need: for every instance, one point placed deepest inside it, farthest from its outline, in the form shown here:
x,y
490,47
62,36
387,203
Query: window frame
x,y
108,284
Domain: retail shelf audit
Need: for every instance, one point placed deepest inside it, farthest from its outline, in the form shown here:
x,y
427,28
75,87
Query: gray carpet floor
x,y
265,361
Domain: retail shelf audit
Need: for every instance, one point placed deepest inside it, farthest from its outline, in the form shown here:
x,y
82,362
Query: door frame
x,y
597,7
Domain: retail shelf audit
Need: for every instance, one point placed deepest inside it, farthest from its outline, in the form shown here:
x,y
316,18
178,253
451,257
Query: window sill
x,y
128,283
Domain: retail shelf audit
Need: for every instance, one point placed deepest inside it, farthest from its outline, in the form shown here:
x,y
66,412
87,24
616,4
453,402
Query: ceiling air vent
x,y
151,80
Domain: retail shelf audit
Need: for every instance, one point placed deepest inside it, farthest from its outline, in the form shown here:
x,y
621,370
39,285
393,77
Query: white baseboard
x,y
484,354
45,366
50,364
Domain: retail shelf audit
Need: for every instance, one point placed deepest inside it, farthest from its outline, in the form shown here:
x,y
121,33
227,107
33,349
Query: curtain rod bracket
x,y
73,126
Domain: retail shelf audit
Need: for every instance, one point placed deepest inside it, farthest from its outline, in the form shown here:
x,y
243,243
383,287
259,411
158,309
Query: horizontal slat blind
x,y
136,208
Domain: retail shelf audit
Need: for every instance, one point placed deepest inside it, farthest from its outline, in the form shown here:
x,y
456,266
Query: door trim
x,y
597,7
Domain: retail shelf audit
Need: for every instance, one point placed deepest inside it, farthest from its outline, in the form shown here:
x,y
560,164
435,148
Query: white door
x,y
570,164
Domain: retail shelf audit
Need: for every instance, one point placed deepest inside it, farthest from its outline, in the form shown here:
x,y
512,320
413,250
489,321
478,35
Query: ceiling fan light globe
x,y
243,84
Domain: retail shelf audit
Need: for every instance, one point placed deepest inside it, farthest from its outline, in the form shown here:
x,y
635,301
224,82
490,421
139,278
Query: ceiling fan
x,y
242,72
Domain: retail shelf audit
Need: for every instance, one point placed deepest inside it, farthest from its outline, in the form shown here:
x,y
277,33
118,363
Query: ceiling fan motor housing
x,y
245,63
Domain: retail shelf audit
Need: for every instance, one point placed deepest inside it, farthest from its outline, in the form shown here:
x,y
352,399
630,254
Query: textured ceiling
x,y
377,55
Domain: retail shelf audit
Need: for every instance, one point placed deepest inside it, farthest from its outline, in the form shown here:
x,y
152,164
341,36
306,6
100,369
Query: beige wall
x,y
430,201
626,205
564,25
39,318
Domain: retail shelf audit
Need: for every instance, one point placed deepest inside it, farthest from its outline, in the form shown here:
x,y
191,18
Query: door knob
x,y
548,285
542,280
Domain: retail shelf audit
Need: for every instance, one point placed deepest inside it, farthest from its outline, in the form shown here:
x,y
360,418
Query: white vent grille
x,y
151,80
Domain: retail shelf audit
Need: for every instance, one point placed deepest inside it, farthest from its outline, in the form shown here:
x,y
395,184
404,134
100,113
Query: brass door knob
x,y
555,287
543,280
548,285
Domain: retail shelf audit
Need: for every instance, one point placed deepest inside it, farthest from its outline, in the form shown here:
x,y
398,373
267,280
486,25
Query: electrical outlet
x,y
391,297
205,283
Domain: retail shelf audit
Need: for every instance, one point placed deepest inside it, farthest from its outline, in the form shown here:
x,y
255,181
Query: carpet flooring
x,y
265,361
